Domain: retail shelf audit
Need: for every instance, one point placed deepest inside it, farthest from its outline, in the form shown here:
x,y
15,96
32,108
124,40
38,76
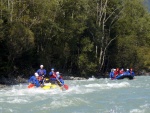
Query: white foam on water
x,y
145,106
118,85
91,87
17,100
25,91
92,79
108,85
79,89
142,109
77,97
137,111
65,102
24,95
61,103
10,110
111,111
21,94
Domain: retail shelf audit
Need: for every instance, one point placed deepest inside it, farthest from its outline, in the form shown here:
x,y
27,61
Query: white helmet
x,y
57,73
36,74
41,66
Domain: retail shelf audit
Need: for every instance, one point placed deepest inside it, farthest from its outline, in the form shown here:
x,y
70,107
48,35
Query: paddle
x,y
65,86
31,85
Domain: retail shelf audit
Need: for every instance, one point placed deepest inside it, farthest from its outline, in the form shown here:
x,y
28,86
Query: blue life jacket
x,y
111,75
126,73
41,72
34,80
132,73
61,80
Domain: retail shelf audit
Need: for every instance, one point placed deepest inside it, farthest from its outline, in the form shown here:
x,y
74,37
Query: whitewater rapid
x,y
84,96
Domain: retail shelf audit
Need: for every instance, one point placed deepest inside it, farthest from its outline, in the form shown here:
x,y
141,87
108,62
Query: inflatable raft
x,y
48,86
130,77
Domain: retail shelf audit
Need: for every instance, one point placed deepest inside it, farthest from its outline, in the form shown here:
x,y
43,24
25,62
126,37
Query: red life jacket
x,y
121,71
53,75
116,73
40,78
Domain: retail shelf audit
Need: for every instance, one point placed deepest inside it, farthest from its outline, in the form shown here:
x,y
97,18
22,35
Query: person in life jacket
x,y
116,72
127,72
42,73
59,79
111,74
121,71
132,72
52,76
34,80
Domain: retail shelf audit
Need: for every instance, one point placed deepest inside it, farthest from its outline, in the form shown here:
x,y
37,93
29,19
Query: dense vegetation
x,y
80,37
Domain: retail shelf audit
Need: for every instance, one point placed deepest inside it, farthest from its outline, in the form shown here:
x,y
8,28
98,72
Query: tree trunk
x,y
102,18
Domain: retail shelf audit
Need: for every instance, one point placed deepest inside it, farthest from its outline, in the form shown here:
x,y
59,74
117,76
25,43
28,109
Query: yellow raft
x,y
50,86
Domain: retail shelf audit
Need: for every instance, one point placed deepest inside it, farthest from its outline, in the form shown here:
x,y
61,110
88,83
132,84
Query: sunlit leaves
x,y
134,39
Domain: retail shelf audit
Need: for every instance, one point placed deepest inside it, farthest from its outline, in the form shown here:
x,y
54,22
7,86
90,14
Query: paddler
x,y
33,81
52,76
111,74
132,72
127,72
59,79
42,73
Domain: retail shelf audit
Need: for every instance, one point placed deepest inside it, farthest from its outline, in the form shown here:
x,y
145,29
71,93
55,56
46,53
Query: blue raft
x,y
130,77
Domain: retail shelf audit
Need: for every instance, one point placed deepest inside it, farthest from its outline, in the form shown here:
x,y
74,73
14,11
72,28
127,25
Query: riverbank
x,y
6,81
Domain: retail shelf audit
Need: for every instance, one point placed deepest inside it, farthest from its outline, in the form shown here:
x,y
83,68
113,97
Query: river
x,y
83,96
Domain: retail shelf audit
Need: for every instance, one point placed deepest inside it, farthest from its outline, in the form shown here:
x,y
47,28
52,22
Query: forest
x,y
77,37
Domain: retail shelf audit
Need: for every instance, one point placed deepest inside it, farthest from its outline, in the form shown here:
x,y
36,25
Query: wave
x,y
142,109
109,85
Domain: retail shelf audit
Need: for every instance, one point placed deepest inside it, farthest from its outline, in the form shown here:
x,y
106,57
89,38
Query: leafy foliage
x,y
80,37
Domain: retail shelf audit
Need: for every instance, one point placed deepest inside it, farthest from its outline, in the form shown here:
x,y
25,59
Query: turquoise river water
x,y
83,96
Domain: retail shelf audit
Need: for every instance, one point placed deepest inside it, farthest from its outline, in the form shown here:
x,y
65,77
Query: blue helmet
x,y
52,69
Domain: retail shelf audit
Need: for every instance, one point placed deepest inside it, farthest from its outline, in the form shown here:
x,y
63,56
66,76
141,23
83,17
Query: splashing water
x,y
84,96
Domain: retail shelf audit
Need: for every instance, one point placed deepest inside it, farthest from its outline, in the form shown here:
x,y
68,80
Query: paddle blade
x,y
30,85
66,86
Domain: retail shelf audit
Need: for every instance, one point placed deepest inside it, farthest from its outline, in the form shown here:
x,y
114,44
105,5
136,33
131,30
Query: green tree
x,y
133,35
103,15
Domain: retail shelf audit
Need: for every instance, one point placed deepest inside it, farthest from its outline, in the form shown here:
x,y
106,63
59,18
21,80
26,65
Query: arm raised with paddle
x,y
60,82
